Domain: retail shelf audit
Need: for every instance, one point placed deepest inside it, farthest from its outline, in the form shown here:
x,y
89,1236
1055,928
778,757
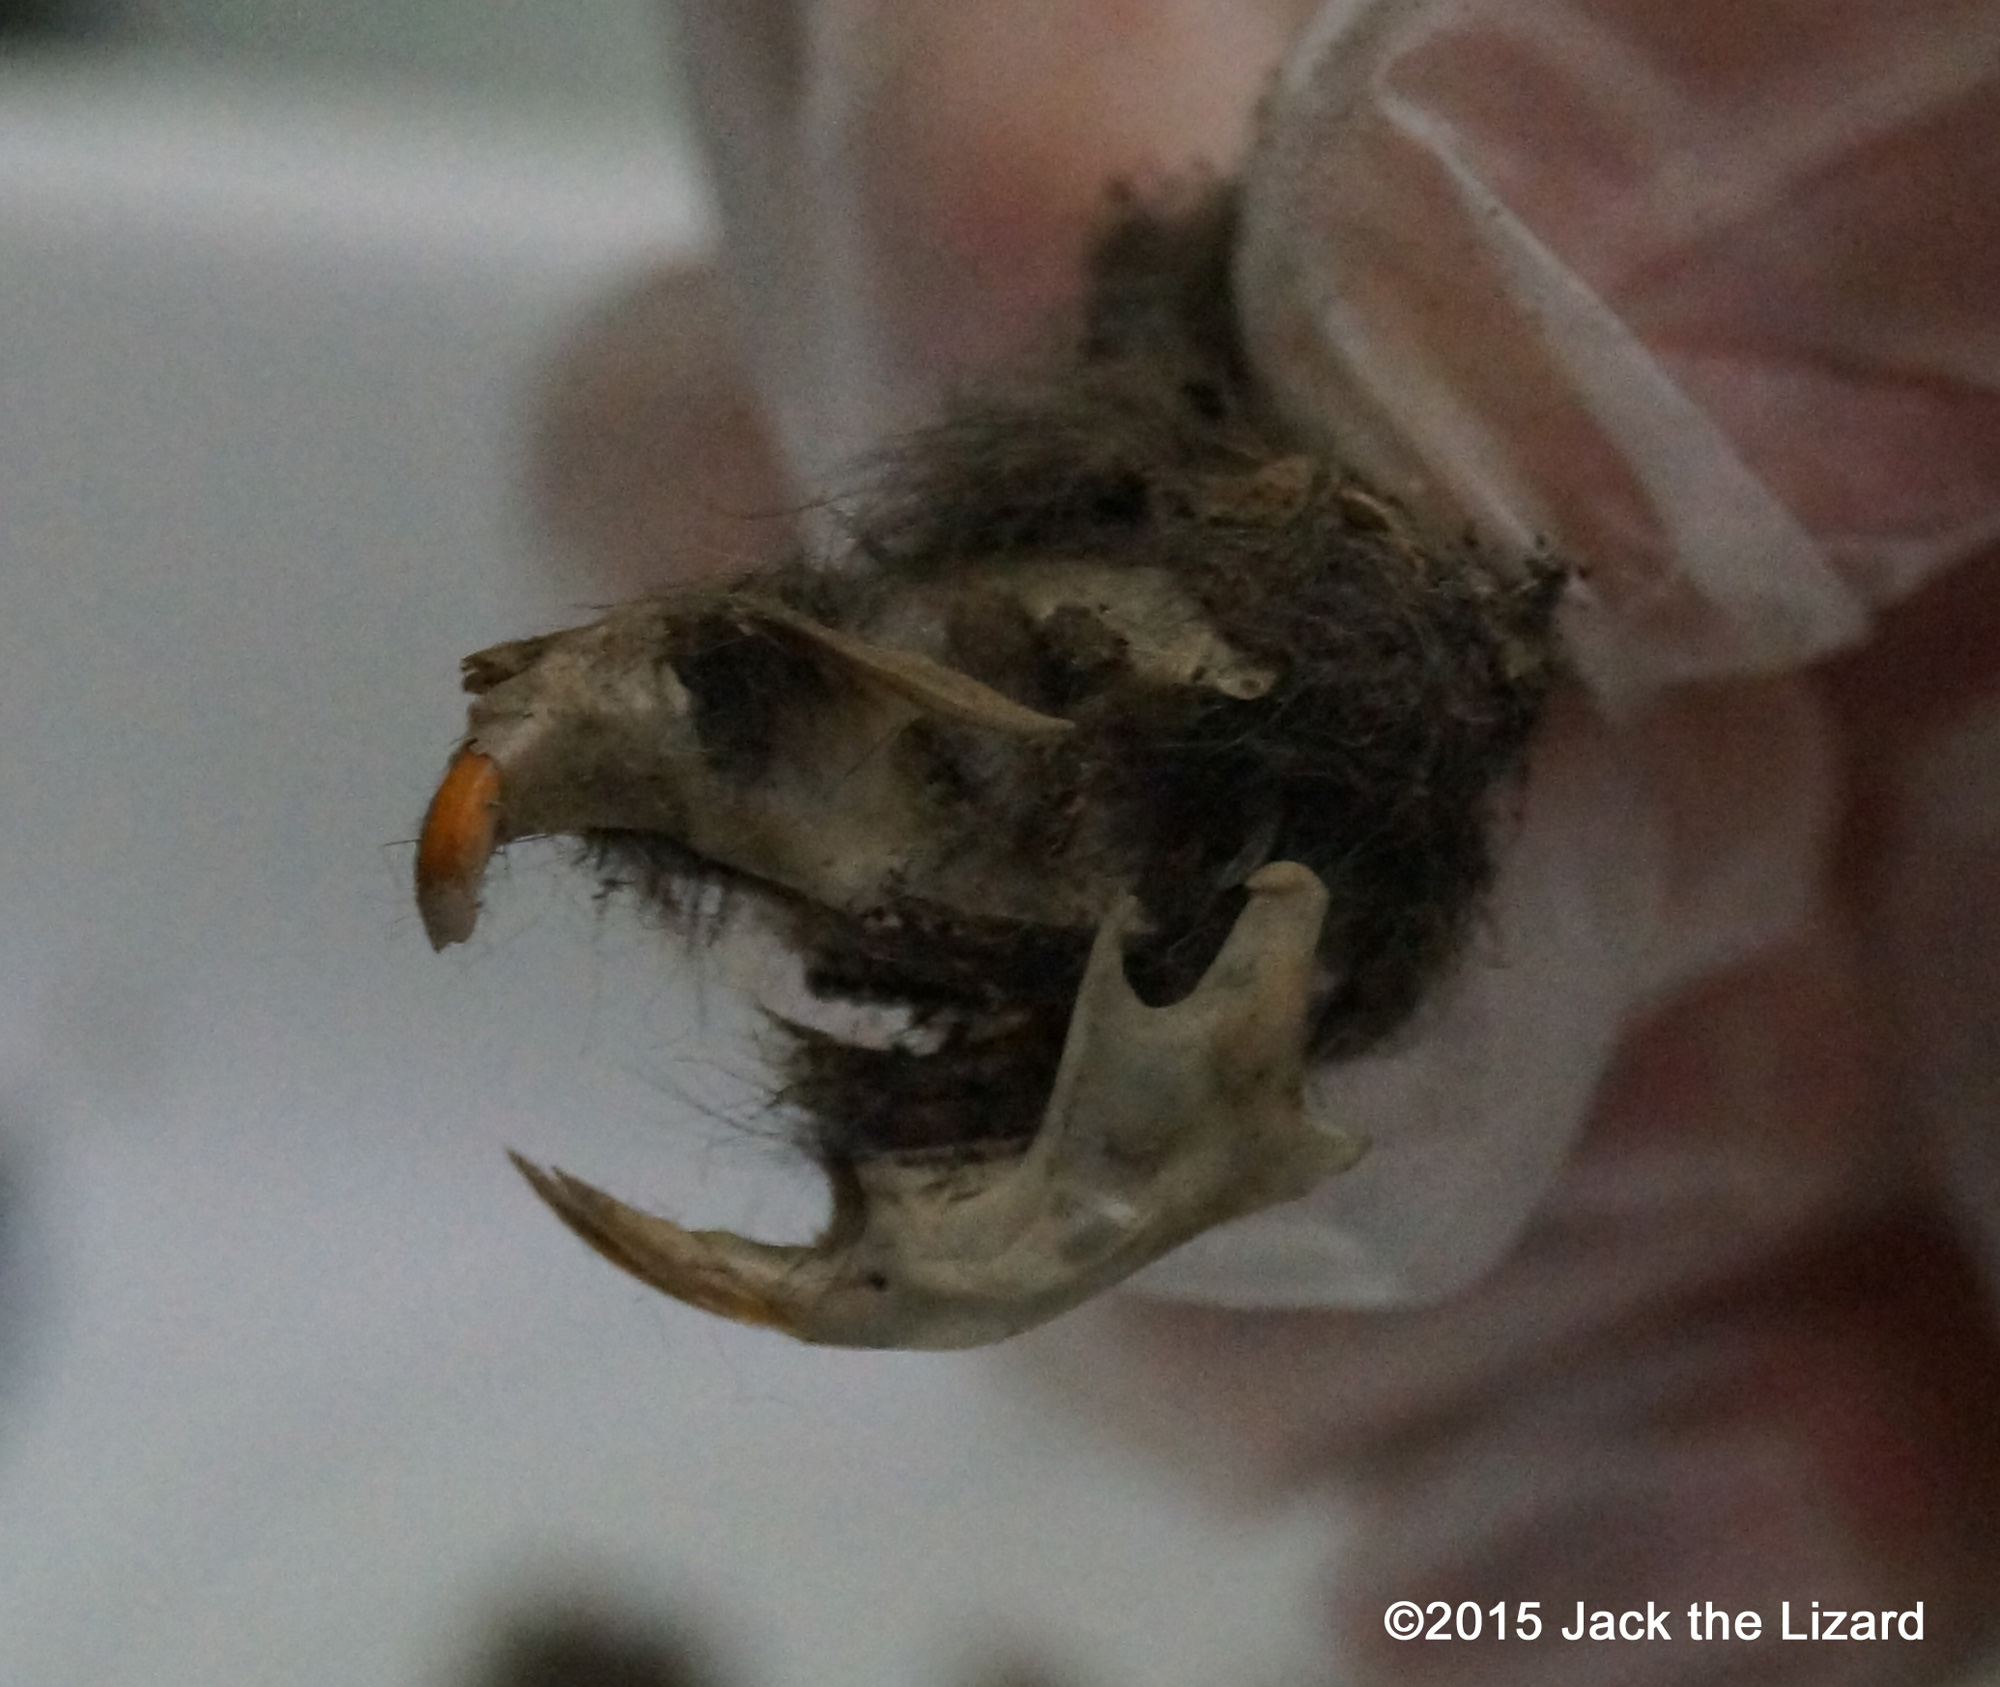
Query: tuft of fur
x,y
1410,674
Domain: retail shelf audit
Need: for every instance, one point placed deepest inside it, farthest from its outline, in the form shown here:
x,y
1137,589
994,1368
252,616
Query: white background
x,y
300,1385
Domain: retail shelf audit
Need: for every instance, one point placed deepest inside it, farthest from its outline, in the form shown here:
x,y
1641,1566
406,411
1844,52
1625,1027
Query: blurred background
x,y
297,1384
588,61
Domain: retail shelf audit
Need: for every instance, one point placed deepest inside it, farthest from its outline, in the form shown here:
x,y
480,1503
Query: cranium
x,y
1118,701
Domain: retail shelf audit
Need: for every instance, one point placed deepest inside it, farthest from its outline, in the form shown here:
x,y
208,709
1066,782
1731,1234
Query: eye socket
x,y
741,683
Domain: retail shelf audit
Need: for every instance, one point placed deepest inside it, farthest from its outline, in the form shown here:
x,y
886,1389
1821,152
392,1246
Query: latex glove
x,y
1700,298
1708,293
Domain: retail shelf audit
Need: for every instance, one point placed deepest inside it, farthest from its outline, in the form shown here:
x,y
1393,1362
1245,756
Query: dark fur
x,y
1412,676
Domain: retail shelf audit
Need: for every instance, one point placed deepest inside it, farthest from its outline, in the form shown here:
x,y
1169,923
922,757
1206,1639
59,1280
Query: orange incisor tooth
x,y
456,843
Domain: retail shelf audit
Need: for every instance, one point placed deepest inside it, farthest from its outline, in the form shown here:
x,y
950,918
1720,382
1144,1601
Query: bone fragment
x,y
915,678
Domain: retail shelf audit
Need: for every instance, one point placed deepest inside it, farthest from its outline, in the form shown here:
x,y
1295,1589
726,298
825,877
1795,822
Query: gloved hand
x,y
1686,1160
